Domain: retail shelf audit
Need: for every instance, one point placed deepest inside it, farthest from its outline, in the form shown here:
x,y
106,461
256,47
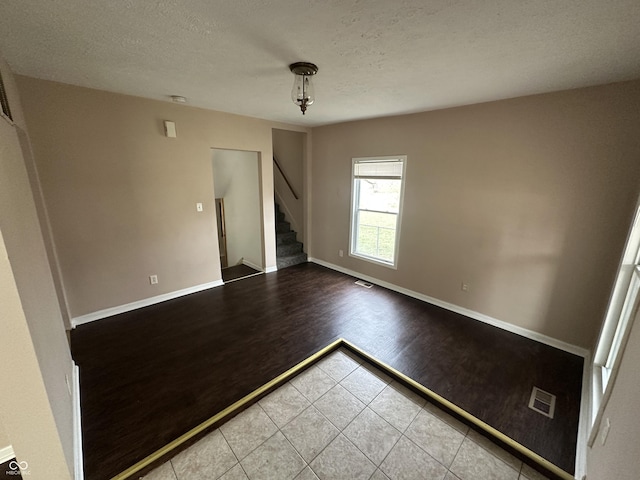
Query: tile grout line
x,y
231,449
294,448
175,474
368,405
340,431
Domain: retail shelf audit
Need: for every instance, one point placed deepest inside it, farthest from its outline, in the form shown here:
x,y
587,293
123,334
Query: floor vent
x,y
542,402
364,284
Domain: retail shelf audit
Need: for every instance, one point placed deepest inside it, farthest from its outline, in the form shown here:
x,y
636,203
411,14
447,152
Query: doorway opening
x,y
236,186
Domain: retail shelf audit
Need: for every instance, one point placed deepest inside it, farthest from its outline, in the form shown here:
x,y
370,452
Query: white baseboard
x,y
108,312
271,269
6,454
584,422
252,265
567,347
77,427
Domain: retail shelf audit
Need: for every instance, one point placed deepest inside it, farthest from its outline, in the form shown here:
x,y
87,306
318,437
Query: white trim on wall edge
x,y
108,312
271,269
6,454
523,332
77,426
584,421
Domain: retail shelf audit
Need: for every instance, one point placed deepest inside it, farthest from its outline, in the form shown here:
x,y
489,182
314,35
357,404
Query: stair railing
x,y
295,195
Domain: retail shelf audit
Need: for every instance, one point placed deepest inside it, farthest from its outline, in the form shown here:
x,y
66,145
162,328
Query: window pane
x,y
376,235
380,195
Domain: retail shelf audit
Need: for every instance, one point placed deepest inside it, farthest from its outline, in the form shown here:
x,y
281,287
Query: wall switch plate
x,y
170,129
341,253
198,207
153,279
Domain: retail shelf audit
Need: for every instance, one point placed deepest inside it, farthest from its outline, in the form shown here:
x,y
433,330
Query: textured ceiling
x,y
375,57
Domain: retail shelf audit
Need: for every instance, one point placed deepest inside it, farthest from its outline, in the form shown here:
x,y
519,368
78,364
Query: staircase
x,y
288,249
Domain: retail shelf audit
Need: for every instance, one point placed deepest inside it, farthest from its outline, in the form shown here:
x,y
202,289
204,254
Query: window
x,y
623,306
376,207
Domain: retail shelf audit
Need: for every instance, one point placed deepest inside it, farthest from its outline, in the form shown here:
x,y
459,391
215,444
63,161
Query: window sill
x,y
393,266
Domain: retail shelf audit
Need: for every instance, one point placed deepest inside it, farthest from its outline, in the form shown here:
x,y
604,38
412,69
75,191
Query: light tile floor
x,y
343,419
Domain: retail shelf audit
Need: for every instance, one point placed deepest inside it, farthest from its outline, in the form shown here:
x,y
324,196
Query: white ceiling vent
x,y
364,284
542,402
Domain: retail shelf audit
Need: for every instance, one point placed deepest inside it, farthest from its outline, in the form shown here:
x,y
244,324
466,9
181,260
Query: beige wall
x,y
619,458
35,404
527,200
237,181
4,438
121,196
288,147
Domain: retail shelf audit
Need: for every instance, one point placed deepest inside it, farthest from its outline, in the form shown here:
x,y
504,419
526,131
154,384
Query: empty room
x,y
319,240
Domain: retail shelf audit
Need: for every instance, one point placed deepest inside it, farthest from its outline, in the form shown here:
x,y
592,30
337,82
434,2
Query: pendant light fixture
x,y
302,91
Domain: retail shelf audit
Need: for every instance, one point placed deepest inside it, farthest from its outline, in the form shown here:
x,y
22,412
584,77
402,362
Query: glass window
x,y
378,185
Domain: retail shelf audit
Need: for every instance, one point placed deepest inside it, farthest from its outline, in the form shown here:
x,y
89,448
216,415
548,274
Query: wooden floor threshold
x,y
256,395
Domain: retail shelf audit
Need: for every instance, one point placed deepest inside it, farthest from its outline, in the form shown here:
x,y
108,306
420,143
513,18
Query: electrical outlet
x,y
464,287
198,207
341,253
153,279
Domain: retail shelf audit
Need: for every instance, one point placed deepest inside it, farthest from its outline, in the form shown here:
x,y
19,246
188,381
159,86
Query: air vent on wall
x,y
364,284
542,402
4,101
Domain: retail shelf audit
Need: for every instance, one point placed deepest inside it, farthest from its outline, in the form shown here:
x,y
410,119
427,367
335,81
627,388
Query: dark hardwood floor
x,y
237,272
9,469
150,375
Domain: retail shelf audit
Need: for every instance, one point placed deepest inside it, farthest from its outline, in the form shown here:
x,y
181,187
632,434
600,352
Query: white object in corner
x,y
108,312
523,332
6,454
77,427
271,269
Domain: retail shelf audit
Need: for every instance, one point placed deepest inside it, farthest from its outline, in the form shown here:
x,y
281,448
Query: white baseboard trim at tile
x,y
523,332
252,265
271,269
6,454
77,426
109,312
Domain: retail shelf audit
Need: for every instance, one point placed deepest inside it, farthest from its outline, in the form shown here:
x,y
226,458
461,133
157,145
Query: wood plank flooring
x,y
7,472
237,271
150,375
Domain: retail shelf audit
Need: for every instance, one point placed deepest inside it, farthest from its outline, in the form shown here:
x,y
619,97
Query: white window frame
x,y
352,228
623,307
